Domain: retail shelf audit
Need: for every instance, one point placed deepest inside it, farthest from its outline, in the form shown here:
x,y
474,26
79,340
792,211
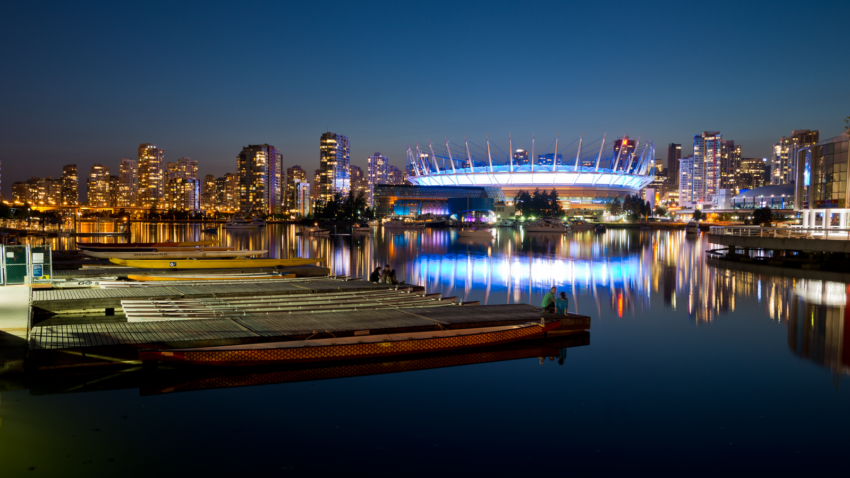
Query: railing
x,y
782,232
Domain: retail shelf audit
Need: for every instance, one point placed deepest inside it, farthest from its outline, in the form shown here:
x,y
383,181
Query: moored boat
x,y
476,233
154,249
396,224
347,348
361,228
600,228
240,223
546,225
692,228
315,231
579,225
507,223
188,254
95,245
212,263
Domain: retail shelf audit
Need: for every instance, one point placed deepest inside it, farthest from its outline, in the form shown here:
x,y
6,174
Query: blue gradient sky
x,y
87,82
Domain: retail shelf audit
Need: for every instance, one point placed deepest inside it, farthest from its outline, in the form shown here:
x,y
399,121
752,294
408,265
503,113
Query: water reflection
x,y
620,274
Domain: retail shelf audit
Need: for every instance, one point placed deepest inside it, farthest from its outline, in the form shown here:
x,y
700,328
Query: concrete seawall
x,y
782,244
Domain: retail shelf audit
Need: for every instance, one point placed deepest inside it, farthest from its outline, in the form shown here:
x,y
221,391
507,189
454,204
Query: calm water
x,y
690,369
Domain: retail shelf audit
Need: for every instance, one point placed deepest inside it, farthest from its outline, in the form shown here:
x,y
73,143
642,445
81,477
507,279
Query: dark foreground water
x,y
689,369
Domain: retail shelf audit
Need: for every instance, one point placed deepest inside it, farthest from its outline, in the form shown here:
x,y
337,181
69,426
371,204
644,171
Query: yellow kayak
x,y
198,277
212,263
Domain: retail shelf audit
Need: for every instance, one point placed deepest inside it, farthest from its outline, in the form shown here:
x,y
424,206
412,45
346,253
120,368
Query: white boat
x,y
361,229
240,223
546,225
81,282
374,222
579,225
476,233
692,228
188,254
396,224
315,231
600,228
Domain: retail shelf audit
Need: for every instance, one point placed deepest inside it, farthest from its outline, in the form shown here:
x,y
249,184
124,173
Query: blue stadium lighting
x,y
598,168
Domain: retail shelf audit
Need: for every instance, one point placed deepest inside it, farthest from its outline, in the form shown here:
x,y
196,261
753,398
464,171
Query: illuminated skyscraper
x,y
520,157
674,154
182,194
359,183
702,171
729,164
394,175
783,160
128,183
751,174
294,175
624,158
315,188
98,186
70,185
151,175
335,159
259,170
378,173
208,193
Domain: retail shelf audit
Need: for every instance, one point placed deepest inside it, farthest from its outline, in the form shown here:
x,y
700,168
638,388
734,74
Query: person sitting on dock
x,y
549,301
562,304
391,278
375,276
385,275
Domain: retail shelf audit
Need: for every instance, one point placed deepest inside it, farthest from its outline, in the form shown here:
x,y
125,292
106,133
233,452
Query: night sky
x,y
86,82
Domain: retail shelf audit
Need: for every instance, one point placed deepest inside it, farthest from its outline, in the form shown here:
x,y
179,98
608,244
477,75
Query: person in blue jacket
x,y
562,304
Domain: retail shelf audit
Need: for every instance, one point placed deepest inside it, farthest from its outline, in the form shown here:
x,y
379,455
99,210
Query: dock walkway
x,y
295,326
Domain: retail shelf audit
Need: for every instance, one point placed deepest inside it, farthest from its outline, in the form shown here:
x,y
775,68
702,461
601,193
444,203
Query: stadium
x,y
584,174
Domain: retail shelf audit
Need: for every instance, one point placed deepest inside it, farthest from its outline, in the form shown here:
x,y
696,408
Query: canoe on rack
x,y
194,277
213,263
185,254
98,245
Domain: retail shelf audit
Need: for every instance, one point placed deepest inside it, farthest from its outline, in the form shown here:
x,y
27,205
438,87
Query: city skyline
x,y
91,121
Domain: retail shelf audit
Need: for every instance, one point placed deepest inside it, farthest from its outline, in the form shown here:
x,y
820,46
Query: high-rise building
x,y
520,157
48,192
359,182
259,170
208,193
335,159
182,194
730,157
294,175
128,183
70,185
751,174
703,170
549,159
409,172
783,158
187,168
628,152
315,189
674,154
151,175
394,175
232,191
219,202
114,192
303,199
377,173
27,191
98,186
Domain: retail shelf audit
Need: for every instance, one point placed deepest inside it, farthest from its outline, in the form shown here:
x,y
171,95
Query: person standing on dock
x,y
375,276
549,301
562,304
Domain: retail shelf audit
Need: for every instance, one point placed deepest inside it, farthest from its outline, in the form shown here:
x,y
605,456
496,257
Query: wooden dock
x,y
123,272
287,326
58,301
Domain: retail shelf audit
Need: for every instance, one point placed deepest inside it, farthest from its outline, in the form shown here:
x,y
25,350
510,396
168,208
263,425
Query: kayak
x,y
154,249
212,263
187,254
98,245
193,277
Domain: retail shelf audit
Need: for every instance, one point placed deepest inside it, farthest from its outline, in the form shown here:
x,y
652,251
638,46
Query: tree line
x,y
538,204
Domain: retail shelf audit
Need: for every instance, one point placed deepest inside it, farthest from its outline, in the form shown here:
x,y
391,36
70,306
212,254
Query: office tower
x,y
335,159
549,159
21,192
708,149
151,175
187,168
98,186
783,159
114,191
219,202
304,200
208,193
232,191
730,157
751,174
377,173
315,190
182,194
520,157
46,191
70,185
359,183
674,154
686,183
624,158
294,175
128,183
394,175
259,170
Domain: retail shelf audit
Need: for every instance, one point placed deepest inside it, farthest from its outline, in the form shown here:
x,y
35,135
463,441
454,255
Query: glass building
x,y
406,200
821,183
